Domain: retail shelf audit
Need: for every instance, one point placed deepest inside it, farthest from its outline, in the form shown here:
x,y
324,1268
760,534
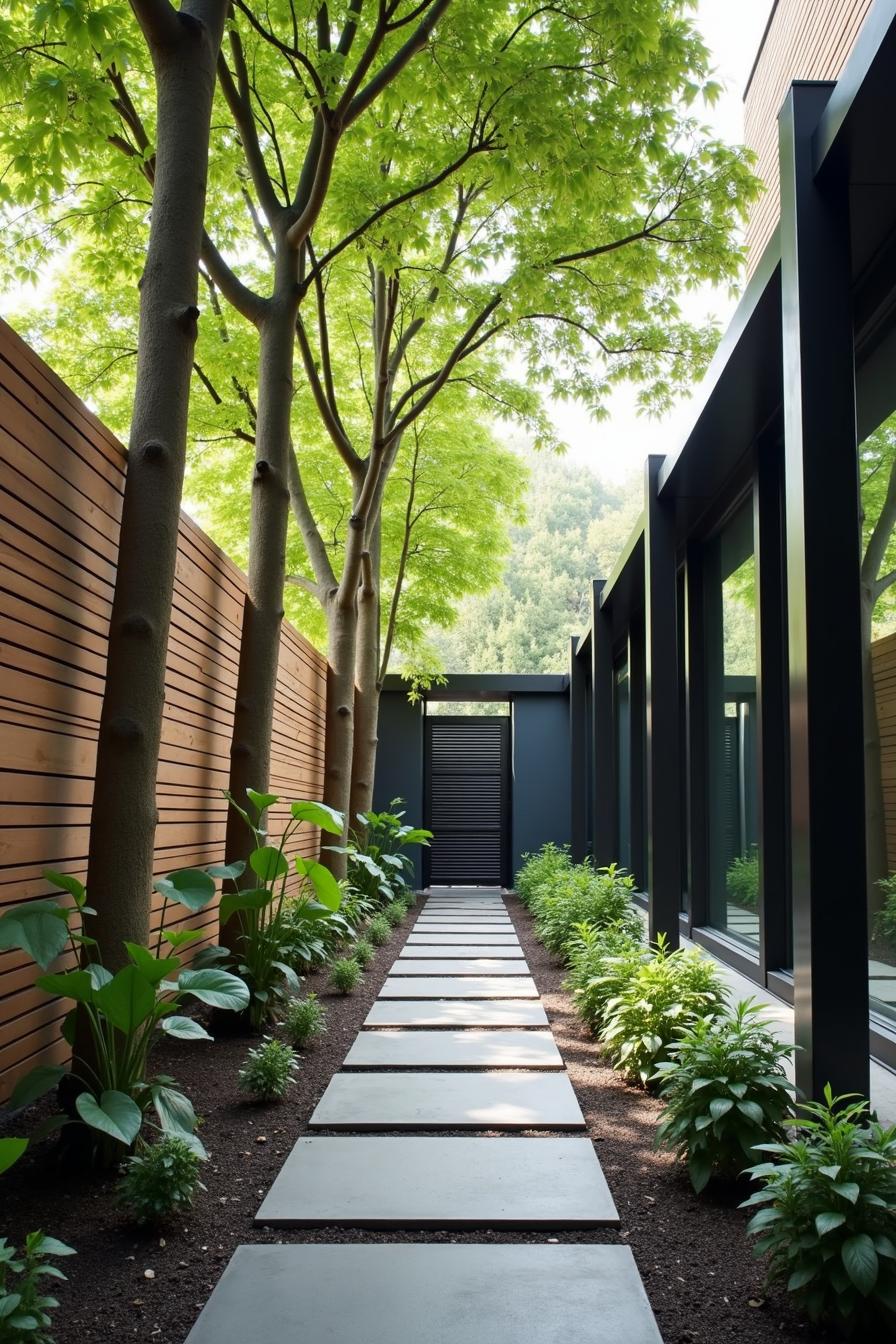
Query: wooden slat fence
x,y
61,483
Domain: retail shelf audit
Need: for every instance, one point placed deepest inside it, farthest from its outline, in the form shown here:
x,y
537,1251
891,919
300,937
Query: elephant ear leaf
x,y
115,1114
127,1000
319,814
39,928
326,887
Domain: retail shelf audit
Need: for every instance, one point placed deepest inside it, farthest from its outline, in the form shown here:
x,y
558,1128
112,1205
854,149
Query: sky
x,y
732,29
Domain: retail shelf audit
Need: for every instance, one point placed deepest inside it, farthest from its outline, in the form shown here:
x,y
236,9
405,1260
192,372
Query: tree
x,y
183,48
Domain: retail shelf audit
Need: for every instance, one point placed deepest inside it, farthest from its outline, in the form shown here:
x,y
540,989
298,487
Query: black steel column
x,y
664,866
578,745
827,794
606,785
696,717
637,760
773,770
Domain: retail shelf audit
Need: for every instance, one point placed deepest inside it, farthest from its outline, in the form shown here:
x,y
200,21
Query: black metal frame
x,y
506,789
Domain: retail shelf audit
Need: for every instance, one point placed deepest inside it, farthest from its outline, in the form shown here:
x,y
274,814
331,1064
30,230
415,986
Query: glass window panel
x,y
622,719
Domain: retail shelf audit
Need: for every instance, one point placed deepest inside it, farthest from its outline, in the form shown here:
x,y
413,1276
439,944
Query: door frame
x,y
506,809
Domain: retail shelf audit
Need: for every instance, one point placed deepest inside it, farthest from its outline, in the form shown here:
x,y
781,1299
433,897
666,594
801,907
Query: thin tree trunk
x,y
367,690
184,48
875,816
250,755
342,626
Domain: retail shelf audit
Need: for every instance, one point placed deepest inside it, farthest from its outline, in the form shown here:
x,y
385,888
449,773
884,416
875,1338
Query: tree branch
x,y
158,22
394,66
238,295
239,99
314,543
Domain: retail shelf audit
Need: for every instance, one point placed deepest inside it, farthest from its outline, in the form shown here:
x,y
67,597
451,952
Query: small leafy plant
x,y
24,1305
602,961
394,913
665,994
363,952
345,974
269,1070
379,931
826,1219
541,869
582,894
885,920
258,914
742,879
408,898
160,1180
305,1019
377,867
122,1012
725,1091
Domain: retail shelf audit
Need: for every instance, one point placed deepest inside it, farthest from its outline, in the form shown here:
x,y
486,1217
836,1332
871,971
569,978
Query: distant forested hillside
x,y
576,525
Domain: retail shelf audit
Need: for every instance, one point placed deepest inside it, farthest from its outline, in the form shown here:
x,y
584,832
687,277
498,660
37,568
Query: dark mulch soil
x,y
703,1282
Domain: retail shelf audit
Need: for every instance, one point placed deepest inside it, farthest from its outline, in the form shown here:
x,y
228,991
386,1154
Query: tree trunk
x,y
184,49
367,690
342,626
250,754
875,817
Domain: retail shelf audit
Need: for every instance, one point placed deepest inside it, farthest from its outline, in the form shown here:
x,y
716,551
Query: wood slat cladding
x,y
62,475
805,39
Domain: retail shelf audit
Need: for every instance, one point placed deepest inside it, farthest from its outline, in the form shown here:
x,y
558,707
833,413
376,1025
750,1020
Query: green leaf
x,y
153,969
37,1083
800,1277
127,1000
262,801
860,1262
115,1114
699,1169
232,902
221,989
174,1109
325,885
9,1303
184,1028
10,1152
720,1106
849,1190
318,814
67,883
50,1246
827,1222
268,863
39,928
753,1111
191,887
227,872
75,985
99,976
179,937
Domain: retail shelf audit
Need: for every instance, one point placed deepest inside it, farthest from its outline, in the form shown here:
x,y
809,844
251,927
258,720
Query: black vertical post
x,y
664,867
578,745
606,789
771,700
637,695
696,717
827,794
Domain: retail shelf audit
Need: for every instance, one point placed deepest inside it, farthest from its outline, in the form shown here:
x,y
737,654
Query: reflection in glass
x,y
622,719
730,623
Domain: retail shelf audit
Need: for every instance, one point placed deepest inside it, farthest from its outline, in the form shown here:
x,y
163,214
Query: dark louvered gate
x,y
468,801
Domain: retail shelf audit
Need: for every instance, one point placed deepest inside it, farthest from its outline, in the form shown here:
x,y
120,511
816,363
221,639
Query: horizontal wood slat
x,y
61,484
883,663
805,39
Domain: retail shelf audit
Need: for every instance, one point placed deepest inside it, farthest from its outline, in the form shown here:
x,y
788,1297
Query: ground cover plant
x,y
363,953
160,1180
121,1012
724,1090
25,1305
541,869
345,974
394,913
601,962
304,1019
379,931
666,993
826,1216
260,925
580,894
269,1070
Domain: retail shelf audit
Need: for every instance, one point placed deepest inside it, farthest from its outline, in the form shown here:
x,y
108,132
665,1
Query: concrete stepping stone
x,y
459,987
461,1049
459,966
462,926
367,1101
445,1183
450,949
428,1294
456,1013
443,939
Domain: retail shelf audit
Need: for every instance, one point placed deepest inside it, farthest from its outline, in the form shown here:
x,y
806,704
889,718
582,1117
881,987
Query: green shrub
x,y
408,898
363,953
160,1180
724,1090
394,913
742,879
345,974
885,920
379,931
541,869
24,1306
665,994
582,894
305,1019
827,1220
601,962
269,1070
